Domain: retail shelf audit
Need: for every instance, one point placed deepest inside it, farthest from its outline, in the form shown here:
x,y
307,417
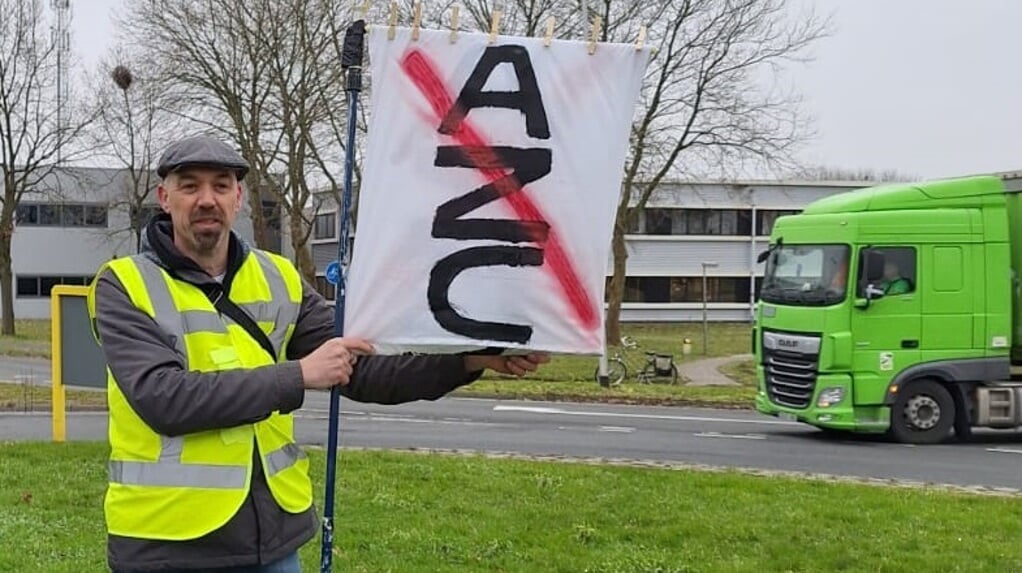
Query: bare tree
x,y
131,124
825,173
276,89
31,134
702,107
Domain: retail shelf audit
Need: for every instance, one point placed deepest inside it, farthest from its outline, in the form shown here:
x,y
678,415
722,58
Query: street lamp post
x,y
706,328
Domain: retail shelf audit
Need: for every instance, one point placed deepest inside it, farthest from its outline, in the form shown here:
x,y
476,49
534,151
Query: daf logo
x,y
787,343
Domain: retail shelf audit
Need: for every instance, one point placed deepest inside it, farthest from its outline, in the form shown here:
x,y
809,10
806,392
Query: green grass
x,y
415,513
564,378
572,377
31,339
743,372
36,398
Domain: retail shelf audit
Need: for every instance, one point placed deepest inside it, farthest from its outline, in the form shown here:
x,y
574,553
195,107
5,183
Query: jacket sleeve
x,y
378,379
169,398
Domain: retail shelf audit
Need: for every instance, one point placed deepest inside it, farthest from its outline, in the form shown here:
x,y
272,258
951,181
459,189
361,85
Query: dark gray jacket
x,y
174,401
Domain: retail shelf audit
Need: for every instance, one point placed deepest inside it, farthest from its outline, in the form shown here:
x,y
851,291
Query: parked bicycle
x,y
657,367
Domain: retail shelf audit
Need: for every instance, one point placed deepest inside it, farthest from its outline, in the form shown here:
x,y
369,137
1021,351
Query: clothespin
x,y
495,25
393,21
642,38
454,23
595,35
549,32
417,21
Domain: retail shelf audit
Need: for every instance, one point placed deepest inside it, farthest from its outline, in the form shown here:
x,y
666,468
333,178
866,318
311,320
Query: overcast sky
x,y
931,88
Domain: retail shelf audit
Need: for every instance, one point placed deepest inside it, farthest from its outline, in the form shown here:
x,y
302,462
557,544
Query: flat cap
x,y
201,150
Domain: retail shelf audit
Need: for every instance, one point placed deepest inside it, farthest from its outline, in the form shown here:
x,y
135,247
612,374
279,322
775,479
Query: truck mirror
x,y
763,256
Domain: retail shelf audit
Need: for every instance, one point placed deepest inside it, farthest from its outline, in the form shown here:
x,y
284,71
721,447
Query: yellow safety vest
x,y
177,488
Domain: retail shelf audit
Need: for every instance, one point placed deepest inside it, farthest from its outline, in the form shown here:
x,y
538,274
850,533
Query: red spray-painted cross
x,y
423,73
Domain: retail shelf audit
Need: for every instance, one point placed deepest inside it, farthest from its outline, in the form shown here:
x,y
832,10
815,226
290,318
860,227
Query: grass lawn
x,y
572,377
35,397
411,513
743,372
32,339
565,378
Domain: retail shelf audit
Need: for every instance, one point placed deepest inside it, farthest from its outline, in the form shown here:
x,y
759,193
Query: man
x,y
894,283
211,345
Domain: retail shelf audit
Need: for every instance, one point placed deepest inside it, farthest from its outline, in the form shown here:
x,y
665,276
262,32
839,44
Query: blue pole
x,y
351,61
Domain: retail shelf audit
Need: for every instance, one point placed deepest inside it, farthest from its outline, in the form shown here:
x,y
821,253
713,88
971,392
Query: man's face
x,y
890,271
202,203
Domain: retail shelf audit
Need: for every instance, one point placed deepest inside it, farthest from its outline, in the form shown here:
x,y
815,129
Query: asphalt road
x,y
714,437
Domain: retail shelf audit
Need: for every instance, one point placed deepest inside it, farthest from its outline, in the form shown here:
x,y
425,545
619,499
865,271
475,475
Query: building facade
x,y
70,224
684,225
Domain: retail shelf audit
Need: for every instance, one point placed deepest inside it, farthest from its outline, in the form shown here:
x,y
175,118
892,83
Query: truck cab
x,y
894,309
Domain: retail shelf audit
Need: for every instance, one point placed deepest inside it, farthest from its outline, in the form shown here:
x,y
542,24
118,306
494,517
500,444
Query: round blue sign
x,y
333,273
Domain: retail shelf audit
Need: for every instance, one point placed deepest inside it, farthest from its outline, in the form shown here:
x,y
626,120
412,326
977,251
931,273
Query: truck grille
x,y
790,374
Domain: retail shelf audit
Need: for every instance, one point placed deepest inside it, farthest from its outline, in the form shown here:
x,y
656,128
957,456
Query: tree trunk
x,y
303,256
255,204
616,290
6,272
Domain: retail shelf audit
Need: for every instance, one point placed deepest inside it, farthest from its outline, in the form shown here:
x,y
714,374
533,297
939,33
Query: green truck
x,y
895,309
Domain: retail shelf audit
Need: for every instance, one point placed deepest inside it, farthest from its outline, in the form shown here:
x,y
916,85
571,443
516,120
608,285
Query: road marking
x,y
544,410
729,436
620,429
1004,451
325,415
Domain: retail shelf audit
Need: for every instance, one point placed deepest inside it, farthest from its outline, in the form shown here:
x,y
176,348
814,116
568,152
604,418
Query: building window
x,y
61,215
325,288
686,289
766,218
40,286
325,226
719,222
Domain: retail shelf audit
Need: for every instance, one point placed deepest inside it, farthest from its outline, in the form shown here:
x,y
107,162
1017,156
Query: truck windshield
x,y
806,275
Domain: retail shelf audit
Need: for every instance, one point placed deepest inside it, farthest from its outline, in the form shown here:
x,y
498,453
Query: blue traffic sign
x,y
333,273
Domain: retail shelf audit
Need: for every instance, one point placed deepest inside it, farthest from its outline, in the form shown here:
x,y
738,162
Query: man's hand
x,y
513,365
332,363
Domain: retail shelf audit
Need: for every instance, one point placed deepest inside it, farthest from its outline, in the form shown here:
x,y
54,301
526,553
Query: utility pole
x,y
706,328
62,43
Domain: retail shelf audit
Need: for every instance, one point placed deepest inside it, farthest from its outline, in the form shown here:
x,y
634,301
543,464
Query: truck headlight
x,y
830,397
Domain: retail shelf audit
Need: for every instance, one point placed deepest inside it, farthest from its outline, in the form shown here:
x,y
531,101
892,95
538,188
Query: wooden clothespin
x,y
642,39
417,21
549,32
393,21
595,35
495,25
454,23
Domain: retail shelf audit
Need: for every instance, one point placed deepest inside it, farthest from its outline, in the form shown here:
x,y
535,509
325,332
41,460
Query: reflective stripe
x,y
279,460
202,321
283,312
178,475
171,448
166,311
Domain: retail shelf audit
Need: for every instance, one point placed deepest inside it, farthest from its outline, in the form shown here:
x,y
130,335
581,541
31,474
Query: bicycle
x,y
656,366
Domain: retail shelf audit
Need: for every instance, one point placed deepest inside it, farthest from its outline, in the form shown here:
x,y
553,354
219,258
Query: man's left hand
x,y
513,365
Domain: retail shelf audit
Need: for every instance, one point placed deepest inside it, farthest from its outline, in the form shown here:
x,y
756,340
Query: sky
x,y
928,88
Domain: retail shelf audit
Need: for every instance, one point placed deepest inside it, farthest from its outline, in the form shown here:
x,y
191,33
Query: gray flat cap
x,y
201,151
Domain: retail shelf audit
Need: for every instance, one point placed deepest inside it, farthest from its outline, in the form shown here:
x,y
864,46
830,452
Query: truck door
x,y
887,331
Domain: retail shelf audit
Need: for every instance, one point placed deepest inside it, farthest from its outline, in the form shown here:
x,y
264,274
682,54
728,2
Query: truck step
x,y
997,407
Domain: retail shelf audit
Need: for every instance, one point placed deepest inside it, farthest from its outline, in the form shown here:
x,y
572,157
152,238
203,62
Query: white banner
x,y
491,178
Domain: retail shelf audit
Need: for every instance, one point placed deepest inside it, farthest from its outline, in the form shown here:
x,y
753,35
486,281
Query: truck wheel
x,y
923,413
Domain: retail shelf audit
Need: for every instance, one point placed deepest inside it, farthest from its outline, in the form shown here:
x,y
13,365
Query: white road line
x,y
544,410
729,436
1004,451
620,429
